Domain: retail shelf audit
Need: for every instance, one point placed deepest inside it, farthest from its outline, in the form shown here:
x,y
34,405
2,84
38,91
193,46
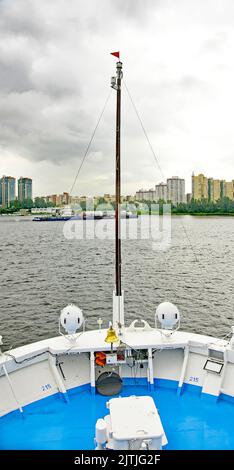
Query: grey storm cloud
x,y
54,79
43,114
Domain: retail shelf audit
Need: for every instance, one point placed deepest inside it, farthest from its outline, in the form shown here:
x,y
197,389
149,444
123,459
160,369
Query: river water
x,y
41,271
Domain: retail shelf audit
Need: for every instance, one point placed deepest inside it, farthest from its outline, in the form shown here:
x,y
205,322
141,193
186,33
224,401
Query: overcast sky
x,y
55,69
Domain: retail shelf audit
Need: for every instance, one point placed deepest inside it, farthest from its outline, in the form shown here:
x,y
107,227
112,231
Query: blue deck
x,y
190,421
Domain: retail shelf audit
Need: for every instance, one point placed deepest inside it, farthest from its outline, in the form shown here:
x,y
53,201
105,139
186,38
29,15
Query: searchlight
x,y
71,319
168,315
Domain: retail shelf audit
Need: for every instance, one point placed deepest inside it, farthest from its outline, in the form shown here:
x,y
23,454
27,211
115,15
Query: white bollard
x,y
101,433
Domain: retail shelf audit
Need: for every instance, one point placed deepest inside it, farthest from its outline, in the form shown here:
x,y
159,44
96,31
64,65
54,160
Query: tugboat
x,y
132,387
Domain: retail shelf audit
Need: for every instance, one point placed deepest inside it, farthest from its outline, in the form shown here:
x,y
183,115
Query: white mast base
x,y
118,311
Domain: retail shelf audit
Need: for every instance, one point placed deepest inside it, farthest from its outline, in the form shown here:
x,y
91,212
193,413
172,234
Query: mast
x,y
118,183
118,299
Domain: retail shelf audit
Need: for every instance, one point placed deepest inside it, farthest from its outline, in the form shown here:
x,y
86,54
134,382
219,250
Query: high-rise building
x,y
199,187
214,190
59,199
173,190
146,195
222,188
176,190
24,189
211,189
229,189
53,199
161,192
7,190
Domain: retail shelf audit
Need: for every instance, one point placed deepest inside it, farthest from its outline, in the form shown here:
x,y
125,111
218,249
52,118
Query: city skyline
x,y
181,80
204,189
173,188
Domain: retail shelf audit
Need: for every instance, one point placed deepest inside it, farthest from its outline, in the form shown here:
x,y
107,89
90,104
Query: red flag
x,y
116,54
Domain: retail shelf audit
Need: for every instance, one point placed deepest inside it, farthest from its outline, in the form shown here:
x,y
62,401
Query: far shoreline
x,y
179,214
195,214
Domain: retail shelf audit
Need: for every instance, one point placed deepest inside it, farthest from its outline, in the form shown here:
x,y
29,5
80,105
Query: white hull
x,y
33,372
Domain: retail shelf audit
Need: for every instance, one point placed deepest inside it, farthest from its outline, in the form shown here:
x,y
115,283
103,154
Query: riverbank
x,y
139,213
197,214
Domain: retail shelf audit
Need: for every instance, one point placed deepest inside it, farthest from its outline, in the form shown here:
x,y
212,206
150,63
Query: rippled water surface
x,y
41,271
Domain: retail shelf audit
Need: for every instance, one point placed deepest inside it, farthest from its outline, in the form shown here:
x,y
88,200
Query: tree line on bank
x,y
222,206
16,205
